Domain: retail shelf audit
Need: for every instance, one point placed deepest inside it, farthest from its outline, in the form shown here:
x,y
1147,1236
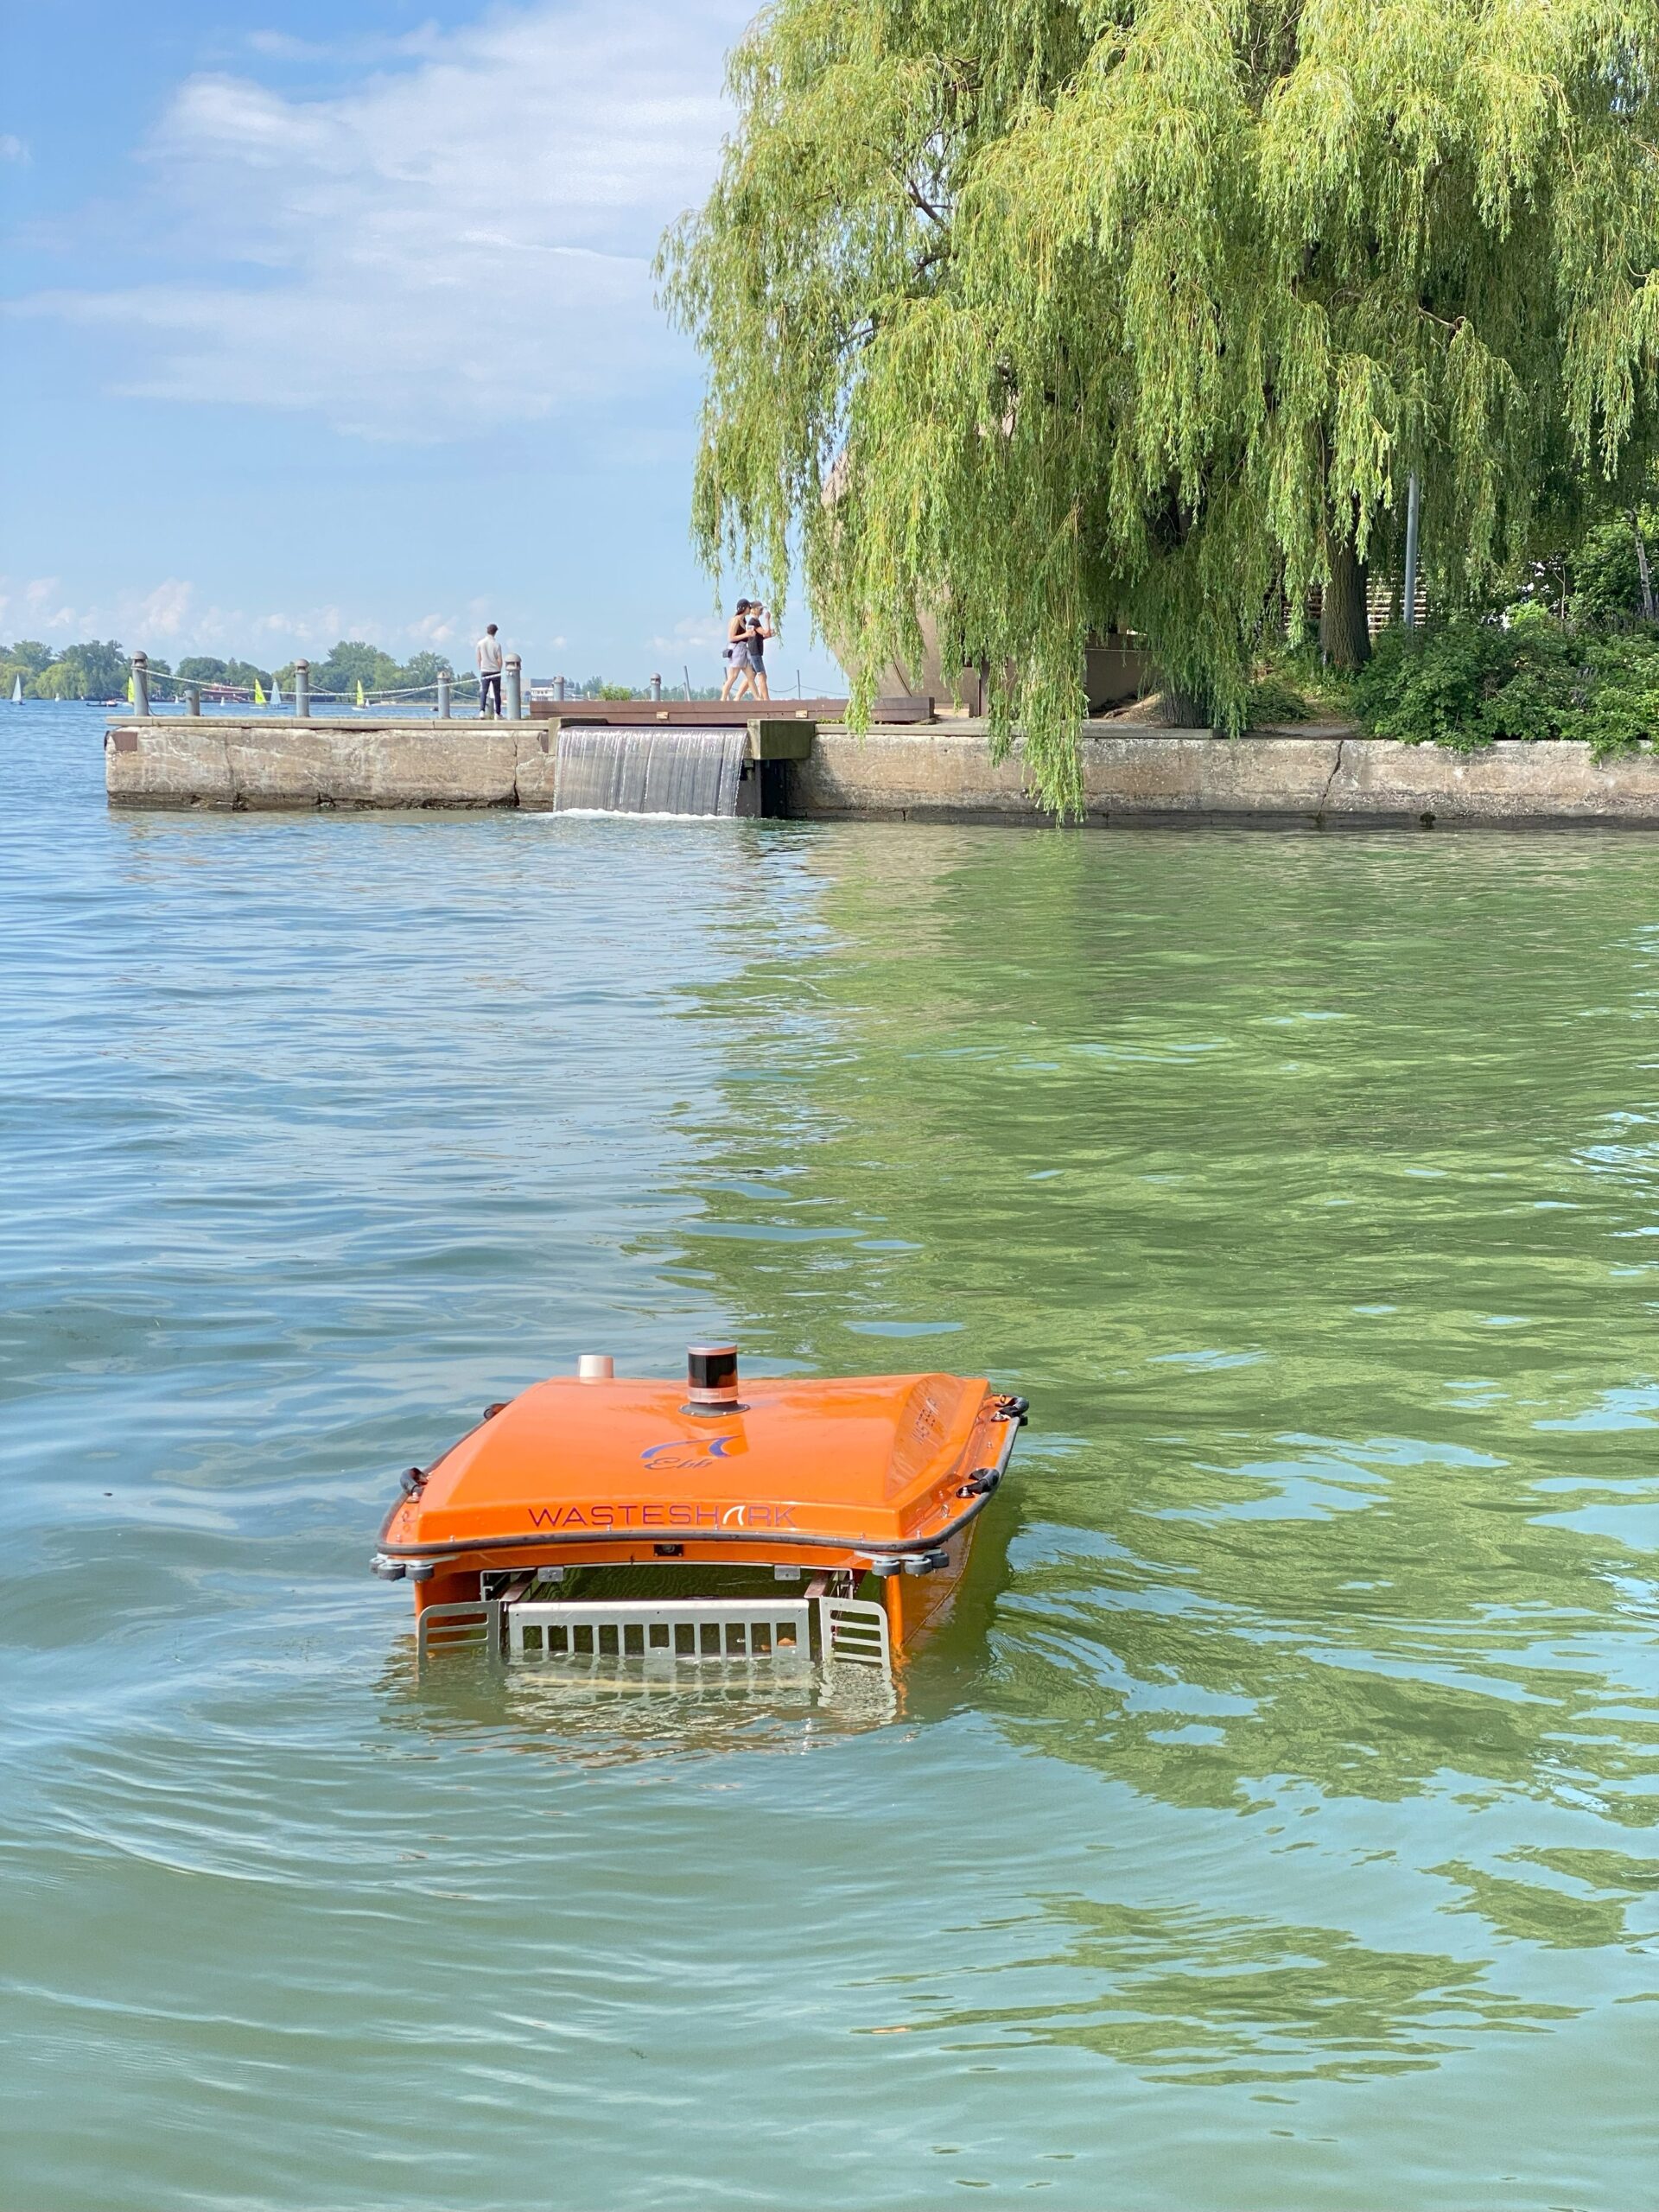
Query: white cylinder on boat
x,y
595,1367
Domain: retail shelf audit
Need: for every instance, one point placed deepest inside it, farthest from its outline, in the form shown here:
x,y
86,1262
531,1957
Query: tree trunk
x,y
1179,709
1344,634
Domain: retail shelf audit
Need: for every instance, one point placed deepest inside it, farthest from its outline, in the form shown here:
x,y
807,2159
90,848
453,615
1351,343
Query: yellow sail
x,y
258,693
359,691
132,696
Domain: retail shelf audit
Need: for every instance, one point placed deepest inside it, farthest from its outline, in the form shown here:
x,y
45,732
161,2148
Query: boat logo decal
x,y
683,1454
668,1513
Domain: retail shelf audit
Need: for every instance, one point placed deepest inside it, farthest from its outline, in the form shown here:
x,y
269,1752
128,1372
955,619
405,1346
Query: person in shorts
x,y
736,655
759,630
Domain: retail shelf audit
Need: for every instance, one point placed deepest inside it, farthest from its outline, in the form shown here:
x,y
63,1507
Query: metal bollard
x,y
512,702
302,687
558,688
444,698
141,683
656,687
193,698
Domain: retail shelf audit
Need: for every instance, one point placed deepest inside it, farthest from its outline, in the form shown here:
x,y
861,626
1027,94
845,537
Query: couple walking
x,y
746,647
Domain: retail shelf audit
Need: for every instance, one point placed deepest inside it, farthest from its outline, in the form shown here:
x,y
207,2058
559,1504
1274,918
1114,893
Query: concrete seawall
x,y
1316,778
941,772
212,762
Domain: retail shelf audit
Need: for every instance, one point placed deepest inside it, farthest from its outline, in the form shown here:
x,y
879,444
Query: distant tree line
x,y
95,669
352,661
98,670
595,687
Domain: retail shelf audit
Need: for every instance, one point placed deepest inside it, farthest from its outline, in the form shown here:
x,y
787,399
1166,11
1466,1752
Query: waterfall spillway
x,y
649,771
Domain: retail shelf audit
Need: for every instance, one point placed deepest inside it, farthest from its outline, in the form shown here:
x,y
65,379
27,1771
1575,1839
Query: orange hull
x,y
881,1476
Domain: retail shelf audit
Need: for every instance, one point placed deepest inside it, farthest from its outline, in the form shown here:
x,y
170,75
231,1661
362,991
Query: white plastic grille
x,y
661,1634
446,1627
853,1632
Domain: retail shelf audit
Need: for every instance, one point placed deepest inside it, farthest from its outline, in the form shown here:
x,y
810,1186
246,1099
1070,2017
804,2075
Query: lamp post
x,y
1413,514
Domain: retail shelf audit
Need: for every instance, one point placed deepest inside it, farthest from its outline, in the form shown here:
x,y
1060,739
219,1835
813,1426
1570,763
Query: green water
x,y
1274,1828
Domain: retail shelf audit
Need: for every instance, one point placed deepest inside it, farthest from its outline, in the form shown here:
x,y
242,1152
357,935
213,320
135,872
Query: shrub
x,y
1465,683
1273,700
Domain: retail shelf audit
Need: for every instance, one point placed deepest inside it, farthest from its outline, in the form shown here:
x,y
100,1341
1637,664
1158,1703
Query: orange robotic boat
x,y
793,1520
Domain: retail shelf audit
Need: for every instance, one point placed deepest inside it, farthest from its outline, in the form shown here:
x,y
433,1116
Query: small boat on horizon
x,y
16,690
800,1519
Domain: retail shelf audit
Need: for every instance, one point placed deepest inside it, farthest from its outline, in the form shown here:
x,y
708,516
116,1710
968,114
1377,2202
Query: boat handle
x,y
981,1483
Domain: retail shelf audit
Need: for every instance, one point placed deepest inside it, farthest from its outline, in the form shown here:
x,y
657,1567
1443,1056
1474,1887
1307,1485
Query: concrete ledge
x,y
262,765
943,772
1141,775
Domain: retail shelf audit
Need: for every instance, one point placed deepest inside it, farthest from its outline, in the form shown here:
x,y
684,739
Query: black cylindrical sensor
x,y
711,1374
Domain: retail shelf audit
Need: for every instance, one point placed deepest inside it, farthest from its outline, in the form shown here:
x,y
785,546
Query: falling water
x,y
649,771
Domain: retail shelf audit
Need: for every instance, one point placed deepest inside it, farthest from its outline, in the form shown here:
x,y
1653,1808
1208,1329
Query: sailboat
x,y
258,693
359,691
276,693
16,690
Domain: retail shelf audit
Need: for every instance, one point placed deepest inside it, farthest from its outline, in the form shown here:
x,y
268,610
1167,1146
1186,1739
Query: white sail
x,y
16,690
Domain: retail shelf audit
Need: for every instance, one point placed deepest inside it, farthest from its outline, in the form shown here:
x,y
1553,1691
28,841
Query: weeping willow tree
x,y
1045,317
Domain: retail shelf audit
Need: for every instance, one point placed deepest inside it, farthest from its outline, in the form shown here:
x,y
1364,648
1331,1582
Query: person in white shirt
x,y
489,673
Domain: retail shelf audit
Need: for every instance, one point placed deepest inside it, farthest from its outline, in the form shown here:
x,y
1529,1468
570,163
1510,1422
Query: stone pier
x,y
940,772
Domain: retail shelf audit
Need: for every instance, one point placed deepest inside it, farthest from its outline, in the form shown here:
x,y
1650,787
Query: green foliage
x,y
63,680
614,691
1043,315
1465,683
94,670
1606,569
239,675
1273,700
352,662
424,668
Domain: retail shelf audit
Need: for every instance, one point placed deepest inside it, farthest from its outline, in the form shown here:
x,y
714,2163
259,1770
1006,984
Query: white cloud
x,y
283,46
693,633
170,618
463,241
13,148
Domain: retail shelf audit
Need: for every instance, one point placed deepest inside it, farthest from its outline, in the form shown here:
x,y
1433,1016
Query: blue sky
x,y
323,321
